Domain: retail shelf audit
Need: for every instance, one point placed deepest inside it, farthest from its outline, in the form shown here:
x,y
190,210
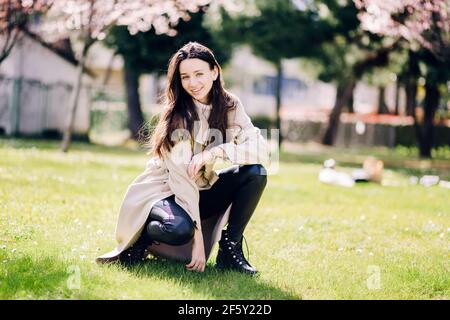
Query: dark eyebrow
x,y
194,72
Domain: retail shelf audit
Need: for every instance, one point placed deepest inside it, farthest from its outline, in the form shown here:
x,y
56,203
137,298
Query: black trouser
x,y
243,186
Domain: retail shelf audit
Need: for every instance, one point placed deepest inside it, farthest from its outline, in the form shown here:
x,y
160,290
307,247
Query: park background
x,y
81,81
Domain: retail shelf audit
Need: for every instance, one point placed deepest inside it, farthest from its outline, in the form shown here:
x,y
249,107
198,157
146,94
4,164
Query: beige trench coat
x,y
162,178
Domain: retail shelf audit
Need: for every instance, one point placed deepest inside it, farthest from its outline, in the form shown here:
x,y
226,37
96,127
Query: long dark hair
x,y
179,109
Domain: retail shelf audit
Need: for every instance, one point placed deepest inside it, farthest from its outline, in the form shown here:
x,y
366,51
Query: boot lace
x,y
239,254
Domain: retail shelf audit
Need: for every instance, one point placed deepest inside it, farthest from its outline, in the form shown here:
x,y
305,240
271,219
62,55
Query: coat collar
x,y
200,105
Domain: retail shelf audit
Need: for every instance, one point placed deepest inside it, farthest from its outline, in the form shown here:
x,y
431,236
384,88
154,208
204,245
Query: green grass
x,y
309,240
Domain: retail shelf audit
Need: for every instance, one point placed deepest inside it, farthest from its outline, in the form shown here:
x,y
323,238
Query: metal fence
x,y
30,107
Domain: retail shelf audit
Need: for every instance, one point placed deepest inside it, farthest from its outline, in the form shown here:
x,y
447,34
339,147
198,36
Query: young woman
x,y
178,207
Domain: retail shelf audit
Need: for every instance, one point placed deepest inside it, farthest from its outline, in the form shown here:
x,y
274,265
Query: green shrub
x,y
263,122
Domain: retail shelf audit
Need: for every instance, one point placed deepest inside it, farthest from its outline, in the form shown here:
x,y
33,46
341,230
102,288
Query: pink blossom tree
x,y
14,17
422,23
423,28
91,19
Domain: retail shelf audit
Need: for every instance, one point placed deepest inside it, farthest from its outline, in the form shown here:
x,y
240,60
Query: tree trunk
x,y
431,104
278,90
411,94
350,105
412,75
135,115
67,135
109,69
382,107
397,97
12,37
343,93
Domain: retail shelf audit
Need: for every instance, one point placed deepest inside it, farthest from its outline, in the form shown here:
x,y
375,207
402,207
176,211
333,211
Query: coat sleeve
x,y
184,188
245,144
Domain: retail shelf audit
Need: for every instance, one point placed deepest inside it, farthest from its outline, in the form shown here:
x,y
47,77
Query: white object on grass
x,y
331,176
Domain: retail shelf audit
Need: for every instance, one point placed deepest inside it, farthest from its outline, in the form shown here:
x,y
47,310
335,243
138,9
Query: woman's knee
x,y
182,230
256,173
176,231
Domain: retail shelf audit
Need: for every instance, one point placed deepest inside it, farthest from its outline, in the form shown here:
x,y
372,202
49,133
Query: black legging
x,y
243,186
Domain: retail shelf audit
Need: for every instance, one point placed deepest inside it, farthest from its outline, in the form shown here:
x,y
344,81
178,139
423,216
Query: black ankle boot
x,y
231,257
137,252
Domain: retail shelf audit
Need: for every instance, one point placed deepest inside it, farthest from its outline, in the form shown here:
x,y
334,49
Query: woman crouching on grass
x,y
178,207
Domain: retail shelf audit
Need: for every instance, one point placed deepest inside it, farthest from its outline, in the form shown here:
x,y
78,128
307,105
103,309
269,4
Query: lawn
x,y
309,240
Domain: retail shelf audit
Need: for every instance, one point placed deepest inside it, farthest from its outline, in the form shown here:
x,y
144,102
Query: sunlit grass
x,y
309,240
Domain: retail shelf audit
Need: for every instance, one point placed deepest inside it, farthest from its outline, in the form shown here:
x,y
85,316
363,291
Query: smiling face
x,y
197,78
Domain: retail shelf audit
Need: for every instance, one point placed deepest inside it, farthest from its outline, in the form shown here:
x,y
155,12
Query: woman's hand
x,y
198,260
198,161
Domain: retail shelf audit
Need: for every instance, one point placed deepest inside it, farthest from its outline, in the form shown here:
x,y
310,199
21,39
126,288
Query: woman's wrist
x,y
217,153
198,234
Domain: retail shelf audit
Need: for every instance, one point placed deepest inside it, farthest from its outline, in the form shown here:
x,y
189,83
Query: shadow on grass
x,y
212,283
26,277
